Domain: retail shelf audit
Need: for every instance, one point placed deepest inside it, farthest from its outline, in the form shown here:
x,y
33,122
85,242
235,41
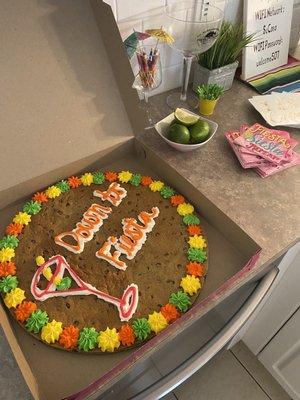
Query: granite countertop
x,y
268,209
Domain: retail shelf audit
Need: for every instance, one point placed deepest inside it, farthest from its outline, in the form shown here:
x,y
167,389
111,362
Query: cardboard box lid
x,y
59,98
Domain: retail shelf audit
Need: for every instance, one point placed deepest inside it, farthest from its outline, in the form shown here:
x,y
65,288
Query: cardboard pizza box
x,y
53,374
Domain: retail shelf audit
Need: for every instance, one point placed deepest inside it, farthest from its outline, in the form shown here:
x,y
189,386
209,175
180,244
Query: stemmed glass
x,y
194,27
148,75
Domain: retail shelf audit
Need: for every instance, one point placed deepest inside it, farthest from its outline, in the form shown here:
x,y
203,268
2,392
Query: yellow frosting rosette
x,y
47,273
51,331
124,176
108,340
22,218
185,209
57,280
156,186
14,297
197,241
190,284
87,179
52,192
6,254
39,260
157,322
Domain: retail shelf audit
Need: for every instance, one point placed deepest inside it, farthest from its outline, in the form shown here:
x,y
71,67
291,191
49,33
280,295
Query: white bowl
x,y
162,128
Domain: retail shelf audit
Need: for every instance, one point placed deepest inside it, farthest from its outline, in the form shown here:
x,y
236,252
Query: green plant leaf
x,y
228,46
210,91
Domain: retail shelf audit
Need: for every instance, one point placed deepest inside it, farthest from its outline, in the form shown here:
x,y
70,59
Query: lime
x,y
199,132
179,134
185,117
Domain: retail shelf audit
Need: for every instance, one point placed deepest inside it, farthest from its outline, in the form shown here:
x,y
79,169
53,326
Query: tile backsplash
x,y
142,14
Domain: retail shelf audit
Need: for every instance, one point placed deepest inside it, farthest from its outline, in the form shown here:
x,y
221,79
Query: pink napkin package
x,y
272,145
267,169
246,158
266,150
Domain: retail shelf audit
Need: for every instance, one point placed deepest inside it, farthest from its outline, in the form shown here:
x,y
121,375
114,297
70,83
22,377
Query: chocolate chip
x,y
170,281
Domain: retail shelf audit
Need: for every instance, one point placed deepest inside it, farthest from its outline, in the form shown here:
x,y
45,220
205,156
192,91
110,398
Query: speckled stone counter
x,y
268,210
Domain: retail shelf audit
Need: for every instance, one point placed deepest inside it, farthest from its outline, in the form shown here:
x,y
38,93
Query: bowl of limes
x,y
185,130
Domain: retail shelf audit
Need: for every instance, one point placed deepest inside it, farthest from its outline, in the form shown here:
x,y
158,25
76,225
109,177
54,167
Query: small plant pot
x,y
221,76
207,107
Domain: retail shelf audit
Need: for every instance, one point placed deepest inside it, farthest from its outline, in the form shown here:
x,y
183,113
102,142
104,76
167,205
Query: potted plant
x,y
219,63
208,94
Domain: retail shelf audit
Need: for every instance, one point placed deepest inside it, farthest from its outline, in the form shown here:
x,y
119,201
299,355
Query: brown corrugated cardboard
x,y
119,63
59,99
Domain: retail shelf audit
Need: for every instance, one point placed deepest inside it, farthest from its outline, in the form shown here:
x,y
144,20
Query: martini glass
x,y
194,27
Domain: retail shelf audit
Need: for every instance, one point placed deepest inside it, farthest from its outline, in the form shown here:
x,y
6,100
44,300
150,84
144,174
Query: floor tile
x,y
169,396
259,372
221,379
12,384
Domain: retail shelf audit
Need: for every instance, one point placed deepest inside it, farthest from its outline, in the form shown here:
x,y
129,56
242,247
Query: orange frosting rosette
x,y
194,230
195,268
40,197
14,229
177,199
69,337
24,310
170,312
146,180
74,182
111,176
7,268
126,335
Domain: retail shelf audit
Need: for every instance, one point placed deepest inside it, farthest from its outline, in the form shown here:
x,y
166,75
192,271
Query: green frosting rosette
x,y
8,283
136,179
32,207
64,284
141,328
36,321
98,178
195,254
63,186
87,339
180,300
10,241
167,192
191,219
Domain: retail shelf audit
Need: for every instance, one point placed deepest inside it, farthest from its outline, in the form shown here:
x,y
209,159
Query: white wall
x,y
141,14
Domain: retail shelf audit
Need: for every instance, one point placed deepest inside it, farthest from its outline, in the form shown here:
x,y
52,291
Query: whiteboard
x,y
271,20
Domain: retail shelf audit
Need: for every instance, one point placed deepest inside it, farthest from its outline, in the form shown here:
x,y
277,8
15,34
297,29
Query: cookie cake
x,y
102,262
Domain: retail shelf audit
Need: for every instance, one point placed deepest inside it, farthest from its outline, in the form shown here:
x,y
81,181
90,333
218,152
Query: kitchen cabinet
x,y
282,356
273,332
281,303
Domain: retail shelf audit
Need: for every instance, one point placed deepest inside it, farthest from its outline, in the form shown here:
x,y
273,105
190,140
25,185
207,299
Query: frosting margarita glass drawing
x,y
126,304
